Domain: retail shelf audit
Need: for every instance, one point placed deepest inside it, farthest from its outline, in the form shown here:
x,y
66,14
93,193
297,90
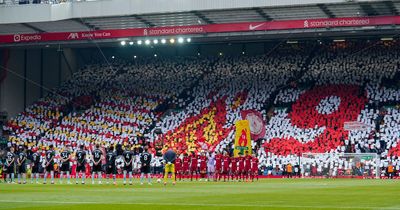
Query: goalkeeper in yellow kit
x,y
169,157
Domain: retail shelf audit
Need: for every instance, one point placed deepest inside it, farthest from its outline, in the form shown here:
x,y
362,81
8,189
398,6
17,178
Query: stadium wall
x,y
31,74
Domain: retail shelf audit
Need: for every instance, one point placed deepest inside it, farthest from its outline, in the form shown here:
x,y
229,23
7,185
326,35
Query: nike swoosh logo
x,y
251,27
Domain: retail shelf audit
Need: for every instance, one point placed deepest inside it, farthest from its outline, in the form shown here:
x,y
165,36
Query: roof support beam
x,y
33,27
202,17
89,26
146,22
368,9
326,10
263,14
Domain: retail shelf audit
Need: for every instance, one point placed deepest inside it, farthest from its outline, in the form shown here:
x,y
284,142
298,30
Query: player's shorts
x,y
50,167
203,170
169,168
10,169
111,169
65,167
145,169
128,168
35,169
22,169
225,171
96,168
211,169
81,168
193,170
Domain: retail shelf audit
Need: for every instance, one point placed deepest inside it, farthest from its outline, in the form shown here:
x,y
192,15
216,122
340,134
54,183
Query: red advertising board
x,y
202,29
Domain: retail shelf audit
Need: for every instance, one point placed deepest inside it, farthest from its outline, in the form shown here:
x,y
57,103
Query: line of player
x,y
217,167
18,162
207,165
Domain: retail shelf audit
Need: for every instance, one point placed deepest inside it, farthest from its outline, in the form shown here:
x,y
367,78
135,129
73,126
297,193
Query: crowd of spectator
x,y
315,96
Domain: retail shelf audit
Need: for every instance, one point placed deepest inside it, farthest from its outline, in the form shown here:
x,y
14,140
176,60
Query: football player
x,y
65,157
49,165
97,156
36,161
178,168
193,166
203,166
128,157
254,168
145,160
81,161
10,165
110,164
186,165
21,165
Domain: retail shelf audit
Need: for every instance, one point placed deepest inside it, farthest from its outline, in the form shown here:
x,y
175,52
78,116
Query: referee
x,y
169,157
145,160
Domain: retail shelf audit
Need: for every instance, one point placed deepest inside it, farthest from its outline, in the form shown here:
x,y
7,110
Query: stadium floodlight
x,y
163,41
188,40
134,56
147,42
172,40
139,42
198,54
123,43
291,42
155,41
130,43
243,53
220,54
112,57
180,40
155,55
339,40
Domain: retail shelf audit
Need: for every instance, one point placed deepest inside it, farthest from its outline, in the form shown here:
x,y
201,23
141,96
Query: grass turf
x,y
264,194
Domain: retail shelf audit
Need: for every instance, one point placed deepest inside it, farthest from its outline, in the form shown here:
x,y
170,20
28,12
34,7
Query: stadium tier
x,y
336,98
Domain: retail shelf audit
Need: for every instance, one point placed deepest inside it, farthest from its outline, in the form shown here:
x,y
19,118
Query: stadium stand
x,y
306,93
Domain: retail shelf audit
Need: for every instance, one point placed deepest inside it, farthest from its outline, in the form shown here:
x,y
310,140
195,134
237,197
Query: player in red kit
x,y
234,169
218,166
193,166
186,165
203,166
247,166
241,171
178,168
254,167
226,166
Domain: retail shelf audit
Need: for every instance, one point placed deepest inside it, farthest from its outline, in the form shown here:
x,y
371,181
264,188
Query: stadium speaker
x,y
157,131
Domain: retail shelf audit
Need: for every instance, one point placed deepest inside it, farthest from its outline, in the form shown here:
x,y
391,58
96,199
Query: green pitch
x,y
264,194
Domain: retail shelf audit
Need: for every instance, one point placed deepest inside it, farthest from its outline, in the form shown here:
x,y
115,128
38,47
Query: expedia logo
x,y
73,36
17,38
27,38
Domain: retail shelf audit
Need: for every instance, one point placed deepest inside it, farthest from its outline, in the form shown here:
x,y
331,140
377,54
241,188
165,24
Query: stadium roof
x,y
190,18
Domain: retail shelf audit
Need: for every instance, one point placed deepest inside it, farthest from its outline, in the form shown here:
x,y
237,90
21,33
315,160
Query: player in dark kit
x,y
110,163
65,157
81,161
145,159
21,165
97,156
10,165
49,166
36,160
128,157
